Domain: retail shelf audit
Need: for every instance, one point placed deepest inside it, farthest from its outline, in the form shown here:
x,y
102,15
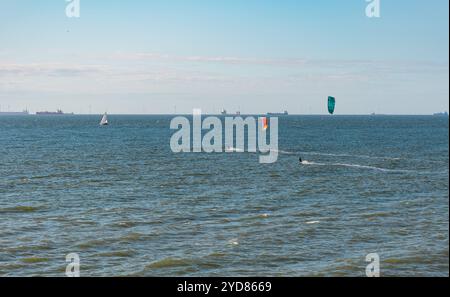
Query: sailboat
x,y
104,121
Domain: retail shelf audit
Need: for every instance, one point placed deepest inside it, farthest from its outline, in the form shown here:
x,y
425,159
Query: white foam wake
x,y
233,149
358,156
347,155
356,166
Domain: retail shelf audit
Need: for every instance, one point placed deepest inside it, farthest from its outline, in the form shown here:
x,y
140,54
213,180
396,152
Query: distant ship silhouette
x,y
58,112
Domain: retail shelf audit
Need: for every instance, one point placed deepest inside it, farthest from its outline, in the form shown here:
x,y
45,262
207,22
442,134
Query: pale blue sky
x,y
258,56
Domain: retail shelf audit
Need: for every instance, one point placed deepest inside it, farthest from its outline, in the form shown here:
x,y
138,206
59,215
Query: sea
x,y
119,198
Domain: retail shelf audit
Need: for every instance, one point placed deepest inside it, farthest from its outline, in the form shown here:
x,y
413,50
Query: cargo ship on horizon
x,y
58,112
14,113
285,113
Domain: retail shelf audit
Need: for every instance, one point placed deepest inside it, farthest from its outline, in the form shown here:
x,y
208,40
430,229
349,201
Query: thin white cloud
x,y
36,69
229,60
329,68
170,74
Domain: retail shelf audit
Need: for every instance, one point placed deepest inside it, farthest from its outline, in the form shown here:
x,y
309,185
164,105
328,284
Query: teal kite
x,y
331,104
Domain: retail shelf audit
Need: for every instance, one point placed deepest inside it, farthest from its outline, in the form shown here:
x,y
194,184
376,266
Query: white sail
x,y
104,120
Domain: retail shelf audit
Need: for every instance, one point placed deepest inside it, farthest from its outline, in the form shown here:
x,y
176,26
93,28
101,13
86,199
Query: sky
x,y
256,56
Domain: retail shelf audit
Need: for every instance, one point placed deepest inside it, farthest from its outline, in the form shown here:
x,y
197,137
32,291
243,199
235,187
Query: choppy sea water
x,y
128,206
